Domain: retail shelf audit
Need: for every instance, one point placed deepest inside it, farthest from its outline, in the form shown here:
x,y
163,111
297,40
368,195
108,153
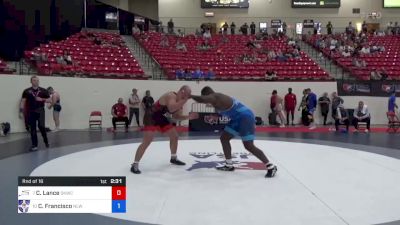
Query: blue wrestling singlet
x,y
242,121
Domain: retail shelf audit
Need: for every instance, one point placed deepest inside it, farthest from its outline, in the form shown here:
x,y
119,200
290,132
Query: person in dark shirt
x,y
233,28
147,101
329,28
324,103
34,98
253,28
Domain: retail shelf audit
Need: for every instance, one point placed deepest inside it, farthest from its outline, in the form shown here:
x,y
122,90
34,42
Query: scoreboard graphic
x,y
71,195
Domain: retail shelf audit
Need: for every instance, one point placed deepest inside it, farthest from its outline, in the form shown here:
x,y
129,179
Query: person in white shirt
x,y
207,34
361,114
365,50
134,103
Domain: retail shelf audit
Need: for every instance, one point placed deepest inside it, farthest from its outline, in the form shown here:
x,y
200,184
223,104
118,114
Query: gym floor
x,y
323,178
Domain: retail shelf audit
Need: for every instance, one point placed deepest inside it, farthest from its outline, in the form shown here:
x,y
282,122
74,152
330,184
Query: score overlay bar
x,y
71,195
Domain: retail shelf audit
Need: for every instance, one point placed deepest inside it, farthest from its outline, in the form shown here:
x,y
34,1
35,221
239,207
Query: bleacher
x,y
111,59
222,58
4,68
389,60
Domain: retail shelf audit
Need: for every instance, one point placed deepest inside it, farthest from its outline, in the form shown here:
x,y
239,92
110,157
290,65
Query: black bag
x,y
259,121
272,119
5,128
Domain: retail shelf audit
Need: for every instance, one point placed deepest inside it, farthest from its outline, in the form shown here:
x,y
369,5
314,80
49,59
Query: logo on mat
x,y
211,119
214,119
241,160
23,206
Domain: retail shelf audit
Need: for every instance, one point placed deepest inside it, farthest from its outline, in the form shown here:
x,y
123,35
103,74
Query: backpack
x,y
5,128
259,121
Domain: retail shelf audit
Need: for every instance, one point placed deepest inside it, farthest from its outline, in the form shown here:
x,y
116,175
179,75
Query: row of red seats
x,y
88,58
170,59
388,60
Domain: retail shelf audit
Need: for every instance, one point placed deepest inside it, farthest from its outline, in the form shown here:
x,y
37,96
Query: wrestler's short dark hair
x,y
207,90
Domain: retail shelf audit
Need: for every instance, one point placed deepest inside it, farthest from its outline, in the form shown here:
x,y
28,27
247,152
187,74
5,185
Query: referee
x,y
34,99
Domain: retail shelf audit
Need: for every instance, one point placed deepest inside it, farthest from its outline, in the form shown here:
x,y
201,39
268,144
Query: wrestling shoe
x,y
176,161
135,169
225,167
271,170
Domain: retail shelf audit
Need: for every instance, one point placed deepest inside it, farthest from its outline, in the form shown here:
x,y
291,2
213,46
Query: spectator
x,y
329,28
164,41
253,28
324,103
336,101
225,28
291,42
365,49
350,29
60,60
180,74
342,117
361,114
290,105
284,28
197,74
375,75
389,27
97,41
136,30
170,26
54,102
134,102
244,28
233,28
147,103
180,46
33,100
311,107
210,74
67,57
303,107
187,74
119,113
346,53
276,107
392,106
270,75
207,34
364,27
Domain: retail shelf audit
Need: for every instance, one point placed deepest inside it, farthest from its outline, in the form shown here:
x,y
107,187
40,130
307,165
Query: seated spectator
x,y
291,42
97,41
359,63
375,75
296,54
197,74
280,57
44,58
270,75
180,74
210,74
346,53
119,112
181,46
164,41
60,60
361,114
135,30
187,74
271,55
342,118
365,50
67,57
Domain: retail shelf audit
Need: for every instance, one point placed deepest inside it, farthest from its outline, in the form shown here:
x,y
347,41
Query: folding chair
x,y
95,119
